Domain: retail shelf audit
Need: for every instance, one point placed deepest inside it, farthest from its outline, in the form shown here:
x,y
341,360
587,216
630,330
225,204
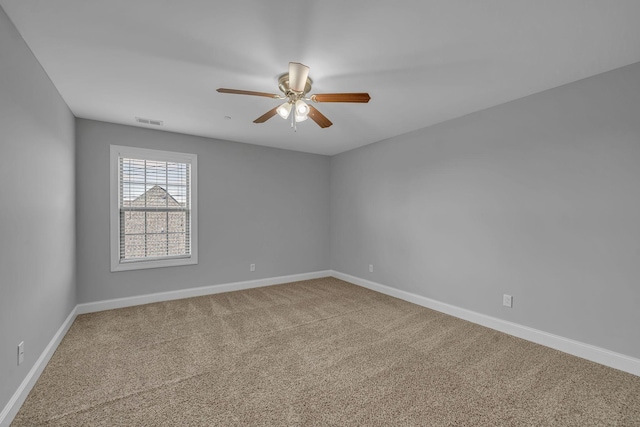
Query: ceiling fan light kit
x,y
295,85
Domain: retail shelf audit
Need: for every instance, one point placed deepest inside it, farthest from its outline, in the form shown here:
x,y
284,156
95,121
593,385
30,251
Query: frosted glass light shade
x,y
301,107
301,117
284,110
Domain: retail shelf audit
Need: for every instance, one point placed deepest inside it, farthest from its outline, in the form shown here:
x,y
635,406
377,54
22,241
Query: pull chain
x,y
293,119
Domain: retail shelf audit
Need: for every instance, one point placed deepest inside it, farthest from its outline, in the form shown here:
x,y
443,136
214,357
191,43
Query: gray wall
x,y
37,232
256,205
538,198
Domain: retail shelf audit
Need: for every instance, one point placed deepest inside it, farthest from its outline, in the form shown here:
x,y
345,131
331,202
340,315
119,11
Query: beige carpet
x,y
318,352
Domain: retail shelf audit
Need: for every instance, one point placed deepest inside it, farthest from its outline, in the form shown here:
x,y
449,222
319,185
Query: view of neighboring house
x,y
155,224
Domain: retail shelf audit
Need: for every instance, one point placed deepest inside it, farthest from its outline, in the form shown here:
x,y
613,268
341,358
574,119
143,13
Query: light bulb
x,y
284,110
301,107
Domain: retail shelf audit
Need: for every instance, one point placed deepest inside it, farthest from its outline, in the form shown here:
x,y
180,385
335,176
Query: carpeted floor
x,y
319,352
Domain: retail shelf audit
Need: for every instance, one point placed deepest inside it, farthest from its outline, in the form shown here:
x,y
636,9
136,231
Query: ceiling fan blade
x,y
266,116
341,97
248,92
298,74
318,117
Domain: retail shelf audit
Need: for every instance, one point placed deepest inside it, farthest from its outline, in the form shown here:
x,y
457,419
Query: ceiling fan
x,y
295,86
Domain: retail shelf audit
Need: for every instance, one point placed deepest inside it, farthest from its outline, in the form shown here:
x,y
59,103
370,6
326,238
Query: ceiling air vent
x,y
149,121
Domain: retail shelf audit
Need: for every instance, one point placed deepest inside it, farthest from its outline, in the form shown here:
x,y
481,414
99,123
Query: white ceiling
x,y
422,61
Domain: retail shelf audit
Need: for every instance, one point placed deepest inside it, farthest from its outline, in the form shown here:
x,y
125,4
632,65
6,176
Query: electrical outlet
x,y
20,352
252,267
370,268
507,300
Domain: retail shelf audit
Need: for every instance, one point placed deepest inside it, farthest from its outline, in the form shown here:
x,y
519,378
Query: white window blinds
x,y
154,209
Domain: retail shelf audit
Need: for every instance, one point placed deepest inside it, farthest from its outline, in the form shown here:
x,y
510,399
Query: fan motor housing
x,y
283,84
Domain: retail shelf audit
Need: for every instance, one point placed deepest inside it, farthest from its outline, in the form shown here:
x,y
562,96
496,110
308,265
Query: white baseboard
x,y
92,307
18,398
586,351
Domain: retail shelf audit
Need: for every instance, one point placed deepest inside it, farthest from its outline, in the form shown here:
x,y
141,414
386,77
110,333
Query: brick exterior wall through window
x,y
155,230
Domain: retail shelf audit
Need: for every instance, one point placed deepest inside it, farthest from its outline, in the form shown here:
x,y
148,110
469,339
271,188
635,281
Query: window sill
x,y
157,263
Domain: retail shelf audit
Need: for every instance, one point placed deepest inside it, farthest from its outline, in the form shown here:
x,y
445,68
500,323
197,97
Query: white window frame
x,y
118,151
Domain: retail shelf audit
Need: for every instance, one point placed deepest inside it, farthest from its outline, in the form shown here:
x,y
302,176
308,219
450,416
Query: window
x,y
153,208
